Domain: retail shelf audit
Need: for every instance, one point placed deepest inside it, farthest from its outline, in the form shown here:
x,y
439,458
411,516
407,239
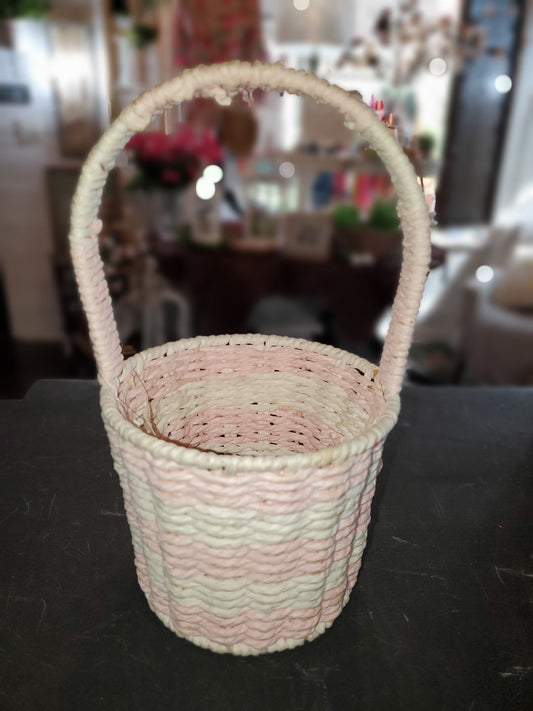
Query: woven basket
x,y
248,463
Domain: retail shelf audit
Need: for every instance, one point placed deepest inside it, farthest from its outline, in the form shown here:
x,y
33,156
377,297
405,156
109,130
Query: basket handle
x,y
219,81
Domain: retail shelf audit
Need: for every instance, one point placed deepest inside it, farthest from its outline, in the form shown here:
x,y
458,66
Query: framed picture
x,y
264,214
308,235
261,230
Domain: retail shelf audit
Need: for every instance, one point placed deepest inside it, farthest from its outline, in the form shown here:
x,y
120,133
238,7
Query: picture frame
x,y
263,216
308,235
261,230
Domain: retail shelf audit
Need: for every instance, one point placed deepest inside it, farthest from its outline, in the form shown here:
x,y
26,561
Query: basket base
x,y
241,649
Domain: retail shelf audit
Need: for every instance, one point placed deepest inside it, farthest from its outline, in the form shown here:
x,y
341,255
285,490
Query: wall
x,y
28,145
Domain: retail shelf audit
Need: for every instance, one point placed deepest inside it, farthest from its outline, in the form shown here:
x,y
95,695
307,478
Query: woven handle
x,y
217,81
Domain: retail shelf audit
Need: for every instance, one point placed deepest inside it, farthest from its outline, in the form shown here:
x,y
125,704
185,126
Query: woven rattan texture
x,y
256,561
249,400
250,563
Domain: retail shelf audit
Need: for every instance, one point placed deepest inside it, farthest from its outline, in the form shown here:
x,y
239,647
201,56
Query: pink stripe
x,y
263,495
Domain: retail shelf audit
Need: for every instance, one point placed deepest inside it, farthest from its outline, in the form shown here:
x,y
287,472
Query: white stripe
x,y
221,527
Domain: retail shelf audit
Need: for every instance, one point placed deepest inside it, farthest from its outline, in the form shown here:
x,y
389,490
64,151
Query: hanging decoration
x,y
208,32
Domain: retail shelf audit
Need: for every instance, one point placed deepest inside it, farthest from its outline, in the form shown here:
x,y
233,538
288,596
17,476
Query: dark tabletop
x,y
441,617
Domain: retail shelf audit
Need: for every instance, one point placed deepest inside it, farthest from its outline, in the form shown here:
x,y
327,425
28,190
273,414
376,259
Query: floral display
x,y
172,161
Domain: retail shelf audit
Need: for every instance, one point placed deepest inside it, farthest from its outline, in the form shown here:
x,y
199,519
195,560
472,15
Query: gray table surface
x,y
440,619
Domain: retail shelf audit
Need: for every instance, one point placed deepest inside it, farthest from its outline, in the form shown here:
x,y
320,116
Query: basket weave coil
x,y
247,462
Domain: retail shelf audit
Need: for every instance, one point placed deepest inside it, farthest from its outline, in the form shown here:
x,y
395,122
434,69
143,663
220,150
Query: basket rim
x,y
189,456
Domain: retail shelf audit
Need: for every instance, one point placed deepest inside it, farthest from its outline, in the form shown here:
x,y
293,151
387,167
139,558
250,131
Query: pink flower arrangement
x,y
172,161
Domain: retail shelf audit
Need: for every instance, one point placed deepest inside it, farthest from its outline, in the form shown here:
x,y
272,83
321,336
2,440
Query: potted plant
x,y
378,235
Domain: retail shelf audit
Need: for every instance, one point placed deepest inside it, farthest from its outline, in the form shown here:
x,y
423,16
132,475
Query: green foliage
x,y
30,9
346,216
426,144
383,216
141,181
142,35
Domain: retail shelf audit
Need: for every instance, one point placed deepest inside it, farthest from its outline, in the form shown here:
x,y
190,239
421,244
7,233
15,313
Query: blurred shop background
x,y
268,213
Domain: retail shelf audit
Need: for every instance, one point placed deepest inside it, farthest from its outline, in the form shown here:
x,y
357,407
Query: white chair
x,y
147,307
497,330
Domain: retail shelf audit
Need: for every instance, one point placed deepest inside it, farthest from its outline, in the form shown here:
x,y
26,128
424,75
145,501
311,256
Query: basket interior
x,y
250,398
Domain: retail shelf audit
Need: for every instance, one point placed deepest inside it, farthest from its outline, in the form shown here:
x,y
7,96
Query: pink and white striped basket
x,y
248,462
